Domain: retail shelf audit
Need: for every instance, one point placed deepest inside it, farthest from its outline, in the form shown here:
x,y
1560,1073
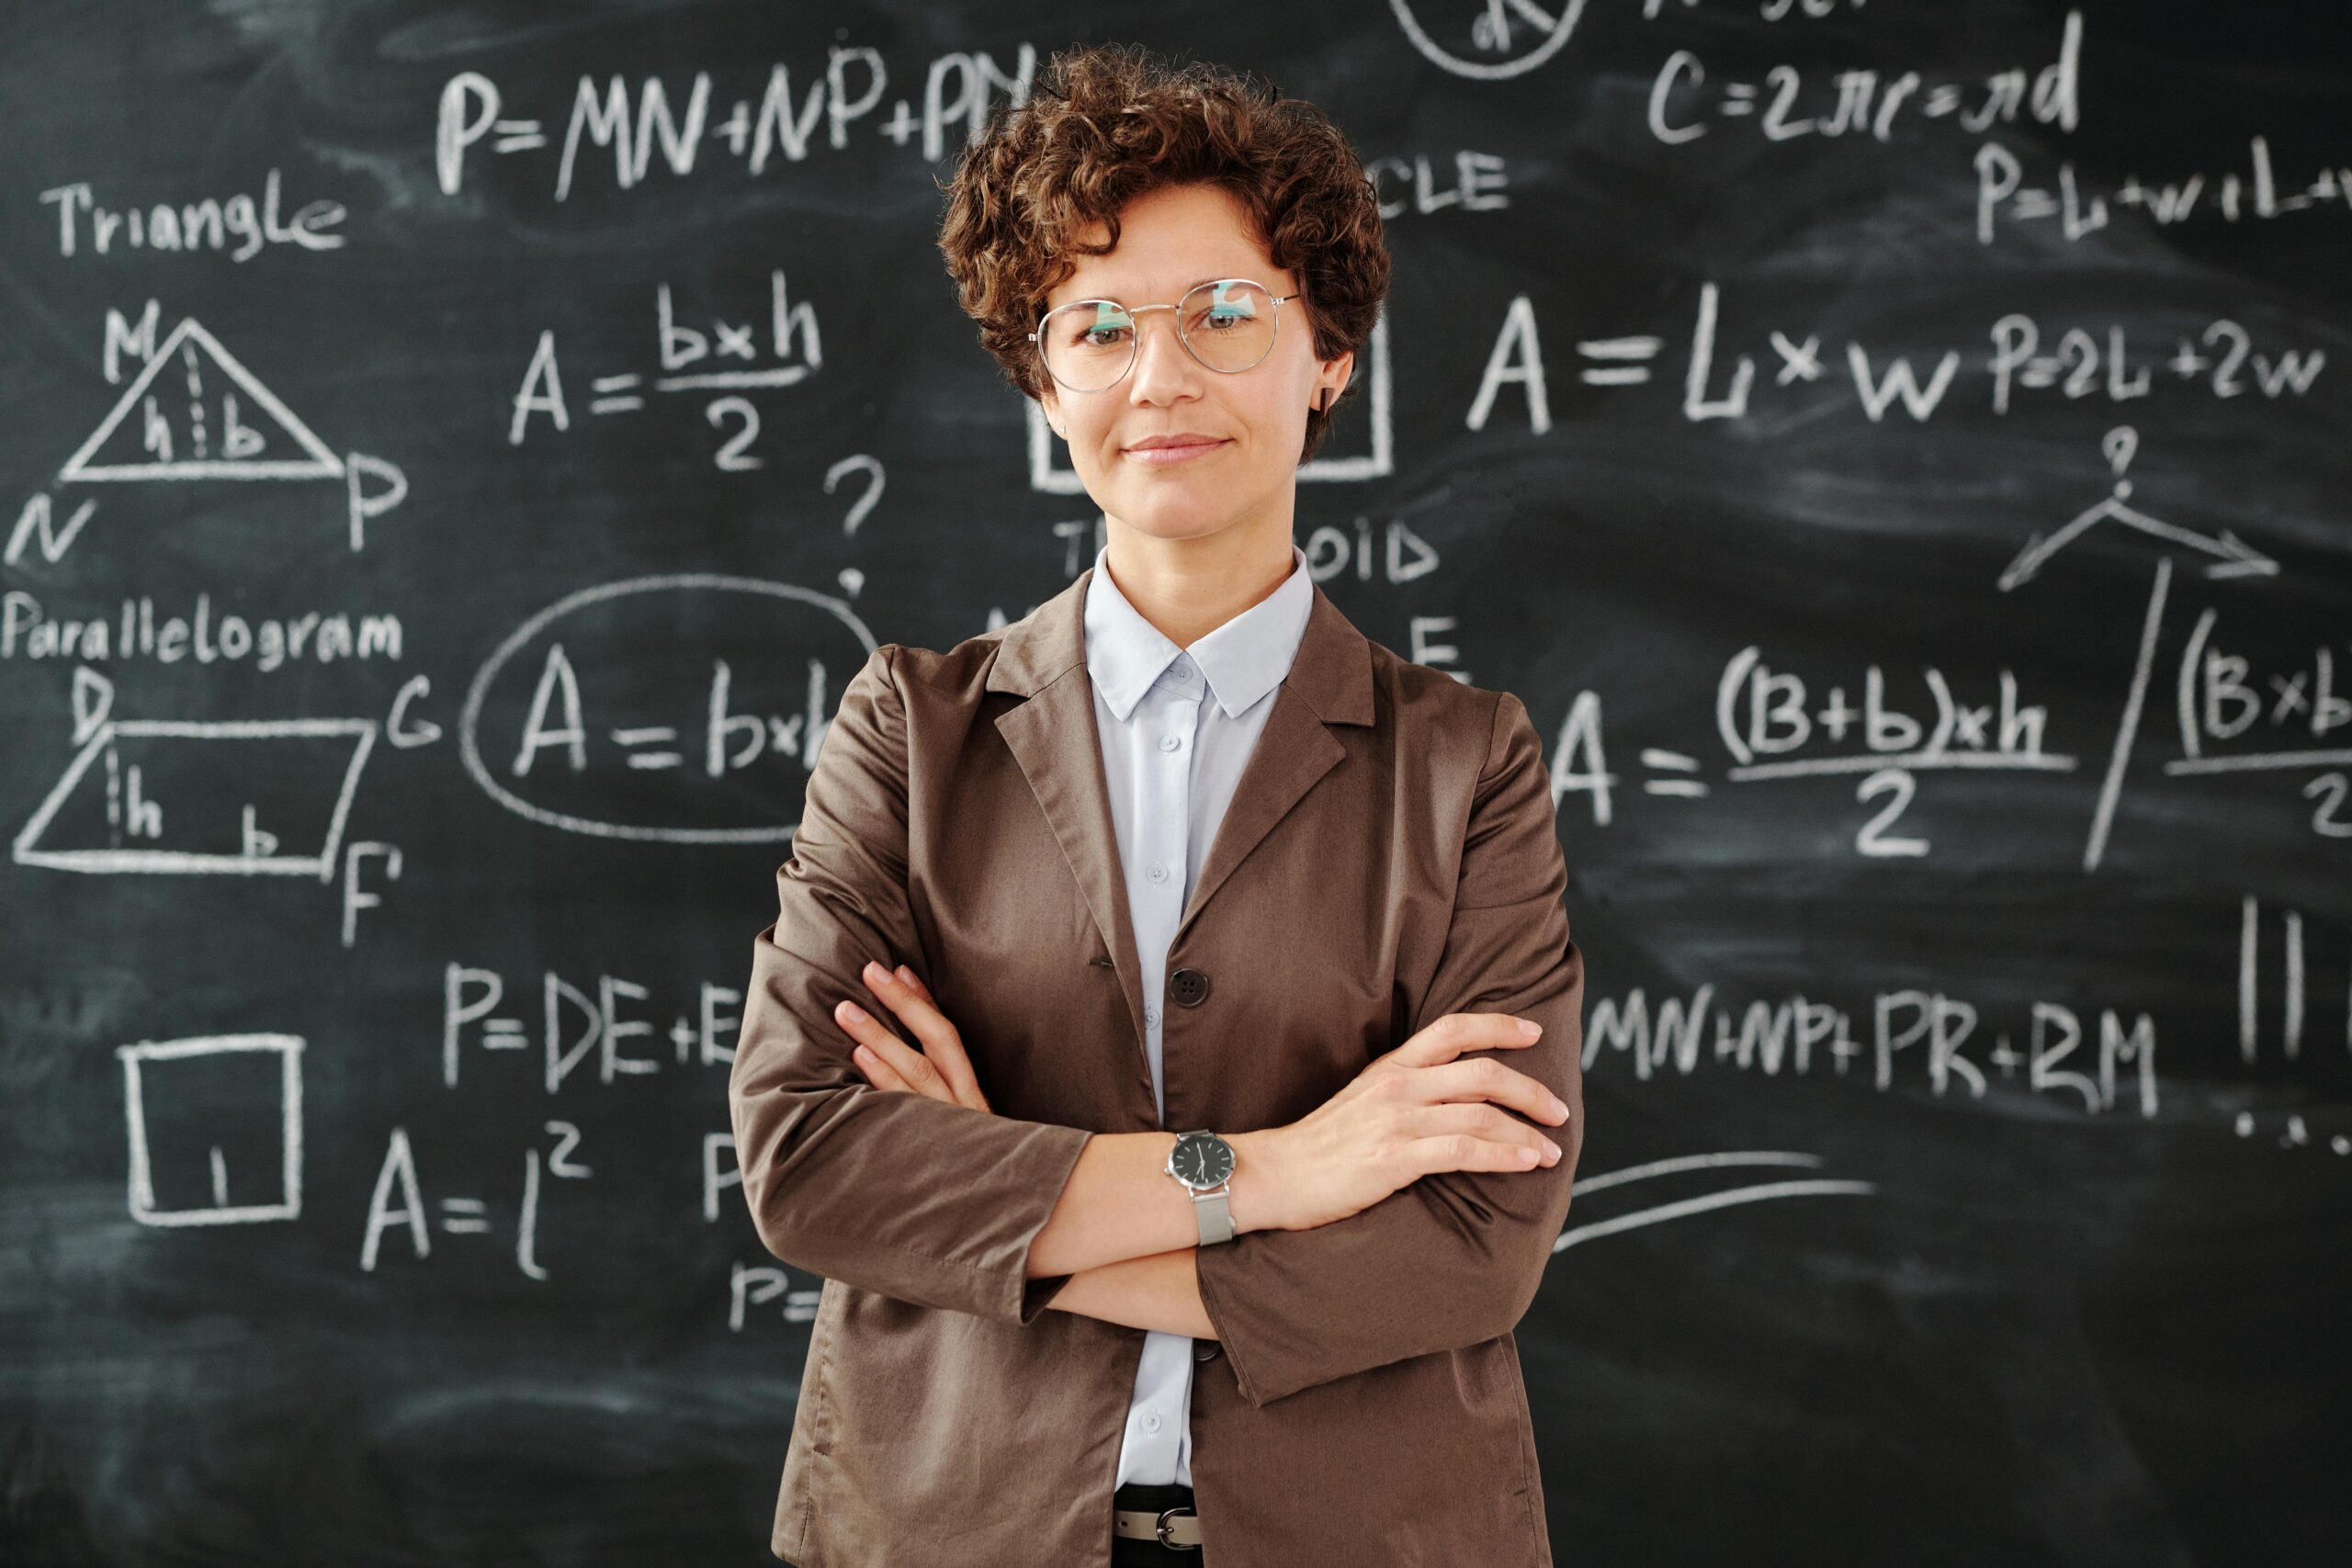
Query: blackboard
x,y
454,456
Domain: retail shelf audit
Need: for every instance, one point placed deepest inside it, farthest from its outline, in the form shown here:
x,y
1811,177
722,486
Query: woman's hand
x,y
1415,1110
940,1069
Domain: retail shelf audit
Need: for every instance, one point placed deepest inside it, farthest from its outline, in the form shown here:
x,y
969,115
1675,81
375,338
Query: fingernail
x,y
853,1012
1529,1028
874,971
1559,1108
905,974
862,1055
1552,1148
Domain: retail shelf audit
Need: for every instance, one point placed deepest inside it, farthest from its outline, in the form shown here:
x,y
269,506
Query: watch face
x,y
1203,1159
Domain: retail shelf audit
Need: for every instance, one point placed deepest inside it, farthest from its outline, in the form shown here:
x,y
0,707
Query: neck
x,y
1188,588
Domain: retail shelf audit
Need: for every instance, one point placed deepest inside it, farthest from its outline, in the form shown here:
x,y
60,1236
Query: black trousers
x,y
1126,1554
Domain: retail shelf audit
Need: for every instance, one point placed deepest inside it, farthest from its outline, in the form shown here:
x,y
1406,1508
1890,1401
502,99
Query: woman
x,y
1179,849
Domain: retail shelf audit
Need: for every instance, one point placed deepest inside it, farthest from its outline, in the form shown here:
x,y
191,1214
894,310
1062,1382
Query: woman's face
x,y
1255,420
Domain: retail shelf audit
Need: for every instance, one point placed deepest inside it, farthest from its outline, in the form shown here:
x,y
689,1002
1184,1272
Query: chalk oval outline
x,y
470,717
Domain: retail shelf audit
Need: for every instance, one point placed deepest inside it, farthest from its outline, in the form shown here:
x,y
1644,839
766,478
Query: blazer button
x,y
1206,1349
1188,988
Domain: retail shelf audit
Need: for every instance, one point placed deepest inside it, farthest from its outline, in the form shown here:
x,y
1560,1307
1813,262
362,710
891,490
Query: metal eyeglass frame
x,y
1134,344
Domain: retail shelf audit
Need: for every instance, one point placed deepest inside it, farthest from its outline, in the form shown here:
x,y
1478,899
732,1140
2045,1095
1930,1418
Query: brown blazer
x,y
1389,856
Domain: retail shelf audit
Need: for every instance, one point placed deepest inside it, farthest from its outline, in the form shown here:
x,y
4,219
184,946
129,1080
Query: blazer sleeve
x,y
1455,1257
915,1198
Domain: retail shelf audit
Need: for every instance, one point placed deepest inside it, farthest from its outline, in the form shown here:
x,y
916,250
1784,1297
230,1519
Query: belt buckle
x,y
1160,1529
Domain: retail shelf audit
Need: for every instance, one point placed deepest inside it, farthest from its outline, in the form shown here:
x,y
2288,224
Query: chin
x,y
1167,516
1167,524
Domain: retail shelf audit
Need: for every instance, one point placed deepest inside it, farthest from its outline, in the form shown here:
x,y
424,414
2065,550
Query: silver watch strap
x,y
1214,1213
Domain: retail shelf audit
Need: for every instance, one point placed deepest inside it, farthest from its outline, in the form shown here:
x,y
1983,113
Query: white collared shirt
x,y
1171,760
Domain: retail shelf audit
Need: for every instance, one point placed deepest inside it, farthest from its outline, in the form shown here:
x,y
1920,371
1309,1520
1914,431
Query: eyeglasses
x,y
1226,324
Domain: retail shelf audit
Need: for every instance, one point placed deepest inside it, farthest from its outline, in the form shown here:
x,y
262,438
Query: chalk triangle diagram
x,y
202,428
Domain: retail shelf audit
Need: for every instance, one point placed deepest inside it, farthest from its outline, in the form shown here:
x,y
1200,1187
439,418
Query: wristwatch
x,y
1202,1163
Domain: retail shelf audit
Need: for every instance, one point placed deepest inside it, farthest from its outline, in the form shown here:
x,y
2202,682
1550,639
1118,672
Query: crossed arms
x,y
1043,1212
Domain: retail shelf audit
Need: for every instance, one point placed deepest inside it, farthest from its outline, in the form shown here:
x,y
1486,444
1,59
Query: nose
x,y
1164,369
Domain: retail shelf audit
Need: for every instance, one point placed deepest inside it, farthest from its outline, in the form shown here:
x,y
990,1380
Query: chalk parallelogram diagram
x,y
264,797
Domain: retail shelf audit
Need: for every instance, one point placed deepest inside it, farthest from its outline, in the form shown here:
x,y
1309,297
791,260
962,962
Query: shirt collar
x,y
1242,659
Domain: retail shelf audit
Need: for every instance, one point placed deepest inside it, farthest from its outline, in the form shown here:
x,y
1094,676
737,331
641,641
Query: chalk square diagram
x,y
190,1103
1052,479
249,798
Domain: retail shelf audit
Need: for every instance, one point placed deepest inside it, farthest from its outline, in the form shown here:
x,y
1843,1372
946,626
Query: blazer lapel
x,y
1053,737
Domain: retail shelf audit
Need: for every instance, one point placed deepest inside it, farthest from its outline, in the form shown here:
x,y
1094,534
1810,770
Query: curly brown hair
x,y
1106,123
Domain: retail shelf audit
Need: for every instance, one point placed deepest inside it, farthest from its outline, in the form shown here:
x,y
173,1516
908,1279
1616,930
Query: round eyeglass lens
x,y
1086,344
1228,324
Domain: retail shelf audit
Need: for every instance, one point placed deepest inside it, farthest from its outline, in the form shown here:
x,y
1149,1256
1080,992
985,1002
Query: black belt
x,y
1164,1514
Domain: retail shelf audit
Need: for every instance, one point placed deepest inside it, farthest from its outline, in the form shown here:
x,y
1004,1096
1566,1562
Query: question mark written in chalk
x,y
2121,445
851,578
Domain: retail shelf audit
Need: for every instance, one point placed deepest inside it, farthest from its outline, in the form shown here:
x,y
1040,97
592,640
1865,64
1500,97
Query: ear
x,y
1052,406
1333,380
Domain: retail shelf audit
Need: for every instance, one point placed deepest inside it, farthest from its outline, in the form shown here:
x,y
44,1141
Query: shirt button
x,y
1158,873
1151,1015
1151,1421
1170,743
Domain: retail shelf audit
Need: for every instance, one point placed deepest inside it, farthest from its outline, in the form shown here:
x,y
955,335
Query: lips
x,y
1179,450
